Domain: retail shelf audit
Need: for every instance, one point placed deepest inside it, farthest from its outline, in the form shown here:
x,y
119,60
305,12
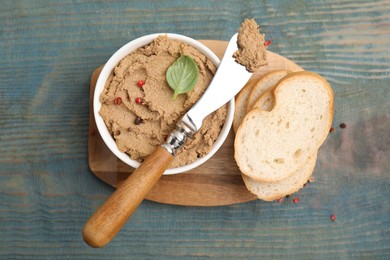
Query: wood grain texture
x,y
217,182
48,50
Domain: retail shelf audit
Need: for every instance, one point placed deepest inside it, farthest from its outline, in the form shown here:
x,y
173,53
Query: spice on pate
x,y
147,113
251,51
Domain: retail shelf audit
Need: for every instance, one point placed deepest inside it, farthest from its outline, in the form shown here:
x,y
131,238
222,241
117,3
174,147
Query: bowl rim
x,y
109,67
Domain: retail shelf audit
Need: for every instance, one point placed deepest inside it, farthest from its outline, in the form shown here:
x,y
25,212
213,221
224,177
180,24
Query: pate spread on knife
x,y
251,51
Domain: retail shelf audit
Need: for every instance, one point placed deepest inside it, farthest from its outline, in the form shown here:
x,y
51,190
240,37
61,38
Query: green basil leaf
x,y
182,75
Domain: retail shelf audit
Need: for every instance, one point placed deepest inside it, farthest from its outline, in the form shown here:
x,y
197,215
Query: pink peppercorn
x,y
140,83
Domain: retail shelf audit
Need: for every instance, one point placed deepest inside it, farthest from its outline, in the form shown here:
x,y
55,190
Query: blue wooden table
x,y
48,50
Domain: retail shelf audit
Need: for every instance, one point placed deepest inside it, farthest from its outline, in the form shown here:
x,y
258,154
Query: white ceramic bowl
x,y
108,68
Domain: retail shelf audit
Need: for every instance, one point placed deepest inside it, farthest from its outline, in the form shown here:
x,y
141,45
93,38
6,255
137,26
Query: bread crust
x,y
239,107
283,187
263,85
266,101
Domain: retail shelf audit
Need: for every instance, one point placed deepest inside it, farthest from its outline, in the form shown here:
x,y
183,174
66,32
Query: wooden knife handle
x,y
109,218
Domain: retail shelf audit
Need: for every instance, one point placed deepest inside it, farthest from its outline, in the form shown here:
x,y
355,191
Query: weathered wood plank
x,y
48,50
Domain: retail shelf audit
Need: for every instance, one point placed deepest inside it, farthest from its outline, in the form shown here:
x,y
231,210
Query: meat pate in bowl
x,y
136,108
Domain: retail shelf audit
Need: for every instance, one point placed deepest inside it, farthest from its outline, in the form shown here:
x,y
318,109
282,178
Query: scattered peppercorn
x,y
304,185
287,196
333,217
295,200
140,83
343,125
332,129
267,43
117,132
138,100
118,101
138,121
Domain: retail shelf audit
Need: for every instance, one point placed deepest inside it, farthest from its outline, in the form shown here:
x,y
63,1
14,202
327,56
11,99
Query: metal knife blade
x,y
227,82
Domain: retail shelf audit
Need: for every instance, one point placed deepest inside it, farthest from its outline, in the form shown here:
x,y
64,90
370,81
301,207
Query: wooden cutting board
x,y
216,182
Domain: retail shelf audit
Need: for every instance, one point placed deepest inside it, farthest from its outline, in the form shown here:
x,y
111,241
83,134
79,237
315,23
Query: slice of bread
x,y
240,104
270,146
270,191
268,81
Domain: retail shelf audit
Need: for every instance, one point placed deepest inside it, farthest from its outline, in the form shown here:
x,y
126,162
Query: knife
x,y
109,218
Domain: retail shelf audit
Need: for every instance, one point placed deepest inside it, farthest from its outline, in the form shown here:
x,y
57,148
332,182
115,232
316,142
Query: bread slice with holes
x,y
270,191
272,145
265,83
